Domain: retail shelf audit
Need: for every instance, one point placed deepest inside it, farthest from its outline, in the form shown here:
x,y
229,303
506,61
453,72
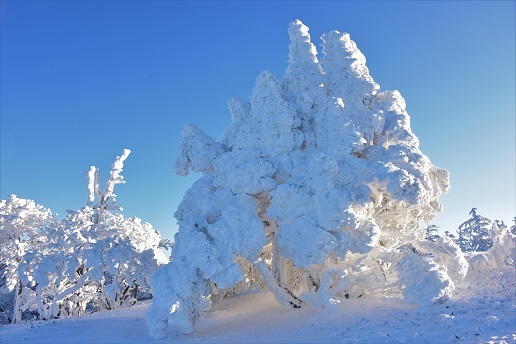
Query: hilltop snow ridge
x,y
315,192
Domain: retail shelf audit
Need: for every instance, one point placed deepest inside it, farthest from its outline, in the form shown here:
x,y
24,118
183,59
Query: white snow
x,y
482,310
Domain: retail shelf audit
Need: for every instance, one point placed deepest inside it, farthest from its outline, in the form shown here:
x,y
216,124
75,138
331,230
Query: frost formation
x,y
91,260
316,193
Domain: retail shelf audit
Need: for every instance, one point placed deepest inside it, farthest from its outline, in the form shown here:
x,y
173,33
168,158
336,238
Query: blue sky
x,y
81,80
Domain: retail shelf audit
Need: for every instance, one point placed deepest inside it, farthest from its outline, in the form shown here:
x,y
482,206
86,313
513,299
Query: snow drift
x,y
316,192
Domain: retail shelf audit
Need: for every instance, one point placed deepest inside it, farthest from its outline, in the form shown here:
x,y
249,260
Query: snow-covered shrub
x,y
445,252
87,265
473,235
313,191
503,251
22,228
487,244
421,279
92,260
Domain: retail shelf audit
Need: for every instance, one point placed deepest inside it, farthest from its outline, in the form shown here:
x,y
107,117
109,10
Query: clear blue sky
x,y
81,80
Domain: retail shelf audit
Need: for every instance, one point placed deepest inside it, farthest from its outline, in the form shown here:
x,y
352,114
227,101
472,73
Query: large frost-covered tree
x,y
316,192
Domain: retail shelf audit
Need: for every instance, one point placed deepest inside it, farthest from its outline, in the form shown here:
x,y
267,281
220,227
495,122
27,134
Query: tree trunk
x,y
276,276
17,316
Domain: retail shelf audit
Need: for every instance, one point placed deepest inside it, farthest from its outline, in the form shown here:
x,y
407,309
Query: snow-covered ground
x,y
482,310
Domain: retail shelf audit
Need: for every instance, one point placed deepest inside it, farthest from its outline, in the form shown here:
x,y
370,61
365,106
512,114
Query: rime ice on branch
x,y
316,192
106,200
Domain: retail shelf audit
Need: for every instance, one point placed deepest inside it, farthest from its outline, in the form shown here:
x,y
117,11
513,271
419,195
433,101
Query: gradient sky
x,y
81,80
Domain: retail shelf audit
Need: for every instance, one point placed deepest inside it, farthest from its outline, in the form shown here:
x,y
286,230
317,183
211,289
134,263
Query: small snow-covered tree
x,y
93,259
513,227
431,233
473,234
316,192
450,235
503,249
22,228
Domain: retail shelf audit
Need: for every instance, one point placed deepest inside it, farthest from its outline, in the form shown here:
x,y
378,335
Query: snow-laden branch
x,y
115,176
106,200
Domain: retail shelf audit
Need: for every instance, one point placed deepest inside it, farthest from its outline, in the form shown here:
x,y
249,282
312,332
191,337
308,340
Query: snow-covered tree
x,y
500,253
450,235
93,259
316,192
503,250
85,266
432,233
22,228
473,234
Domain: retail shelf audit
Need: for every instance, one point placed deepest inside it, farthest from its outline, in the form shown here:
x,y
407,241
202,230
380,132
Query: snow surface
x,y
482,310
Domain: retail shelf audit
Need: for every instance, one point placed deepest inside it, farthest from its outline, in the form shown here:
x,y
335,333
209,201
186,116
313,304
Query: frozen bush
x,y
93,259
